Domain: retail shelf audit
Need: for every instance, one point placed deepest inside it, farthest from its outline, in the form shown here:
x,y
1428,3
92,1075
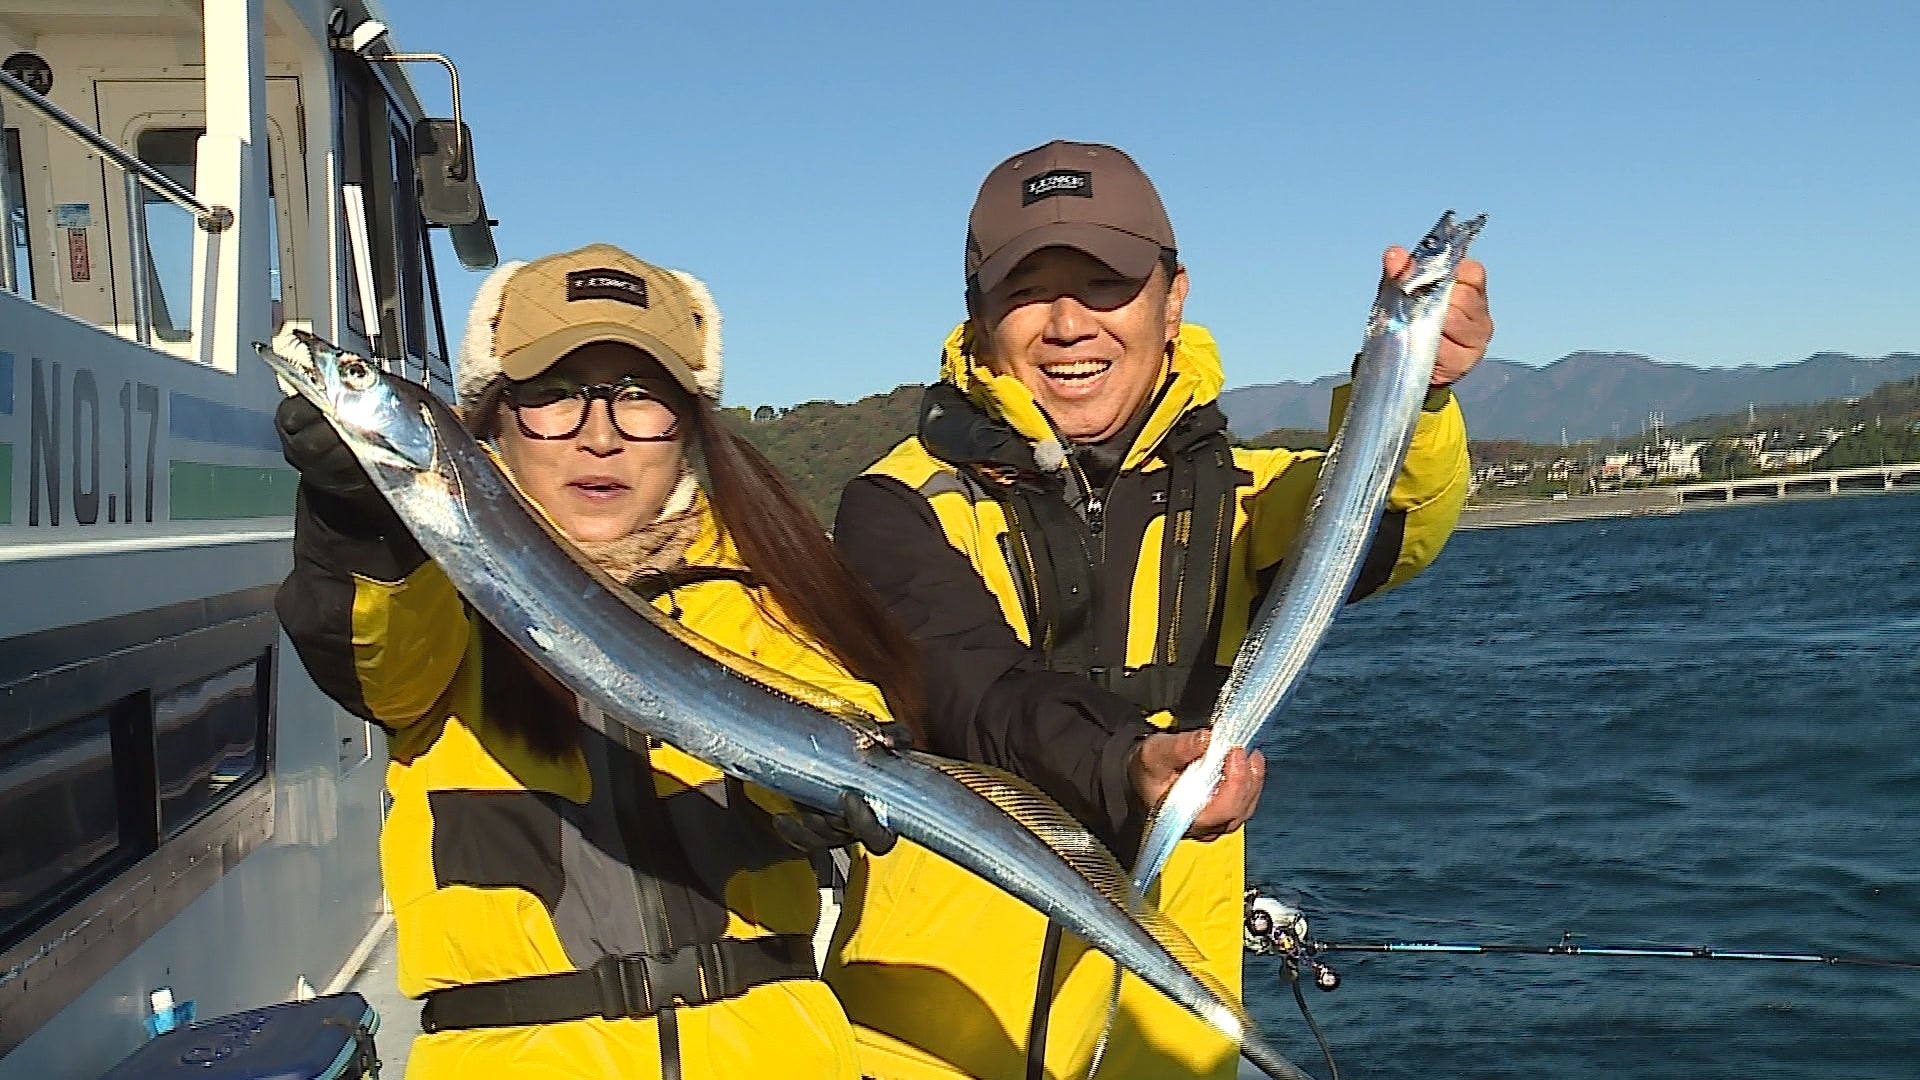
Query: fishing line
x,y
1567,947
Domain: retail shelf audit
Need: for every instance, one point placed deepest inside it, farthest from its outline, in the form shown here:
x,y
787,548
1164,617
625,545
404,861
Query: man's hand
x,y
1159,759
1469,325
812,830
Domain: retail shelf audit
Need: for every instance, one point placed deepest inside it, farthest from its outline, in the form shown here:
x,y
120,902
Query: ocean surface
x,y
1698,730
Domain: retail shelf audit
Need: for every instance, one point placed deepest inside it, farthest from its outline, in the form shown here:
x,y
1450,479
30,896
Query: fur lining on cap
x,y
480,367
708,377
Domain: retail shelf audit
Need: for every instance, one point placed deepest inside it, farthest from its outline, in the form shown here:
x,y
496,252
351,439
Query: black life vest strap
x,y
623,987
1195,547
1063,587
654,584
1196,544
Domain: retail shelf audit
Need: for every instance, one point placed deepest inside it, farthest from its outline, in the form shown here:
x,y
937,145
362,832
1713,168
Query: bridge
x,y
1905,474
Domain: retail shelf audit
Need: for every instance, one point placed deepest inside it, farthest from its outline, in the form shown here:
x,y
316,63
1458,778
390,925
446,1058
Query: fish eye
x,y
356,373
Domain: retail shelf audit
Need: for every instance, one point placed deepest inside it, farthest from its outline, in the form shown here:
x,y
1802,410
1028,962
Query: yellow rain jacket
x,y
501,864
985,542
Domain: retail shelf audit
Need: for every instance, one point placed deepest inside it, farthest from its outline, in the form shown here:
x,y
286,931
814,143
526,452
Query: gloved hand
x,y
325,464
813,830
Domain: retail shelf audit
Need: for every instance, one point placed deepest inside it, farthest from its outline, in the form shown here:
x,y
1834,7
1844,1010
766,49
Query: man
x,y
1079,547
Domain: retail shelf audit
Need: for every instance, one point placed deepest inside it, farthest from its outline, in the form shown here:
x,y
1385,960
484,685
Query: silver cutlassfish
x,y
1318,574
1344,510
647,672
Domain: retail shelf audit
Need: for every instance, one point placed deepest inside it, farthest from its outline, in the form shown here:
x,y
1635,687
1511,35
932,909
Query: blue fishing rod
x,y
1275,928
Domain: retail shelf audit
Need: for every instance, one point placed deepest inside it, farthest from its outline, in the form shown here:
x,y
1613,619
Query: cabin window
x,y
207,741
278,312
406,222
60,817
353,179
19,240
391,278
168,259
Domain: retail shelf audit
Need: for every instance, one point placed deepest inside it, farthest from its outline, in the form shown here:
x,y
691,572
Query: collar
x,y
1020,436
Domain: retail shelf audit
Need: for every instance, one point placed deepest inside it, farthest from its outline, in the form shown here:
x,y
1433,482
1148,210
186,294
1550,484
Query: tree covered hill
x,y
823,444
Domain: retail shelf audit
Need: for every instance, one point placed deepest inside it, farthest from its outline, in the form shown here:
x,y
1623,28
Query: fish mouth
x,y
347,388
295,359
1438,253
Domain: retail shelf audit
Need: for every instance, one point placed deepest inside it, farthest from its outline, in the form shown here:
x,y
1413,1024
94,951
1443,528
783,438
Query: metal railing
x,y
212,219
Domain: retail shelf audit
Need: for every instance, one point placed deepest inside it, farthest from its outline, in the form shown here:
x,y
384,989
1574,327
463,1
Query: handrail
x,y
211,219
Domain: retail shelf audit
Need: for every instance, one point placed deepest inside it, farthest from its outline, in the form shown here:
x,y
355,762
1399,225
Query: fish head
x,y
380,418
1437,256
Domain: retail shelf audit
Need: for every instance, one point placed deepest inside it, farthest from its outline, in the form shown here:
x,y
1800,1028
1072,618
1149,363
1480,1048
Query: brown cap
x,y
1085,196
553,305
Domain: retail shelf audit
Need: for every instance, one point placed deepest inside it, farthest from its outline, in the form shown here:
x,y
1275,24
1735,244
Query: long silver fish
x,y
1318,574
643,670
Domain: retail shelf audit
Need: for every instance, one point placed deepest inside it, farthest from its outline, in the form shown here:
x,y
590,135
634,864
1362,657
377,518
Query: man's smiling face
x,y
1089,344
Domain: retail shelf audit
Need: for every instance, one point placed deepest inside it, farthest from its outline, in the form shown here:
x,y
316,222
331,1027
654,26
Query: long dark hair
x,y
779,541
784,545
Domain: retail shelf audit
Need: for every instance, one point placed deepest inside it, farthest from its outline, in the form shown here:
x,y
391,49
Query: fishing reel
x,y
1273,928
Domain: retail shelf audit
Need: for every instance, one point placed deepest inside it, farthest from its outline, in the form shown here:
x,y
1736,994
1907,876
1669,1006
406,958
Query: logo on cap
x,y
607,285
1058,182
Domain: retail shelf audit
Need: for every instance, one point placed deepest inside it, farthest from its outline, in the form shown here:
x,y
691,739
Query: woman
x,y
572,900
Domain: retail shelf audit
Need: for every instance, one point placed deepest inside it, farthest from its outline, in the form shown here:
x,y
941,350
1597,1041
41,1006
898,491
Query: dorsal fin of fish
x,y
1087,856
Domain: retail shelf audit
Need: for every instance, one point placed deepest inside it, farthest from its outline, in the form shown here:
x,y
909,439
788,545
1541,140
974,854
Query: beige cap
x,y
527,315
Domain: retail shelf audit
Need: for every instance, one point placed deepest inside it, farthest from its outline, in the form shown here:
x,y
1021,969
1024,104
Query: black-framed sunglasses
x,y
551,407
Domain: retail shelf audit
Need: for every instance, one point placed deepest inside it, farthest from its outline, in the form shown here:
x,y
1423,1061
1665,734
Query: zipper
x,y
639,781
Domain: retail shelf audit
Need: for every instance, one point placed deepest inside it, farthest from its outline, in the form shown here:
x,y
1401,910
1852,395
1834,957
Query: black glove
x,y
813,830
312,447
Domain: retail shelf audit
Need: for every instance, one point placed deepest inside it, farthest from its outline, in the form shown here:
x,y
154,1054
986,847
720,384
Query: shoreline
x,y
1544,511
1630,504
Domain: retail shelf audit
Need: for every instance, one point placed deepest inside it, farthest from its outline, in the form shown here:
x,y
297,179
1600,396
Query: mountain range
x,y
1591,395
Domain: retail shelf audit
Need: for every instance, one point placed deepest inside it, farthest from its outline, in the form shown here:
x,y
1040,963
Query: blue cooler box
x,y
326,1038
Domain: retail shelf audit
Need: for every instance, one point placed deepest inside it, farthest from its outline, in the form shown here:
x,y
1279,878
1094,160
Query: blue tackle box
x,y
324,1038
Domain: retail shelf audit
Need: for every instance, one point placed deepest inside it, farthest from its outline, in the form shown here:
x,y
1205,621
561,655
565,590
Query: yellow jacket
x,y
938,969
502,864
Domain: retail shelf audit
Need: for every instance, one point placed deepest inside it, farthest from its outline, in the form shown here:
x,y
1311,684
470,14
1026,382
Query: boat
x,y
187,825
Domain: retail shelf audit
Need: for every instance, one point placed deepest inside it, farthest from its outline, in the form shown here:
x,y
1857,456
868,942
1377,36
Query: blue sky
x,y
1710,183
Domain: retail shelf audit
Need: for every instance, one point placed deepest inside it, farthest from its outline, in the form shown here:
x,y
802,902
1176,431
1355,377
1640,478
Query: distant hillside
x,y
823,444
1590,393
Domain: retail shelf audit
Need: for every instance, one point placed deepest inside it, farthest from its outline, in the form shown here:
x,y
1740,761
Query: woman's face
x,y
609,477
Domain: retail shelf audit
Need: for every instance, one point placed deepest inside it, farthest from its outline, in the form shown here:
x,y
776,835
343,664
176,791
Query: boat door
x,y
160,121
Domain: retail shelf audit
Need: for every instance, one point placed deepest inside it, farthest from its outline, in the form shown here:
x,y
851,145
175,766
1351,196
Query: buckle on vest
x,y
622,982
690,975
641,985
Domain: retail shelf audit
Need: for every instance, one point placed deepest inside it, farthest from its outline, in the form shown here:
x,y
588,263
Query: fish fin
x,y
1088,857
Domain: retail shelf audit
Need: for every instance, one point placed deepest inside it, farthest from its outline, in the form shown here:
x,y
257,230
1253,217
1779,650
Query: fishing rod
x,y
1275,928
1278,928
